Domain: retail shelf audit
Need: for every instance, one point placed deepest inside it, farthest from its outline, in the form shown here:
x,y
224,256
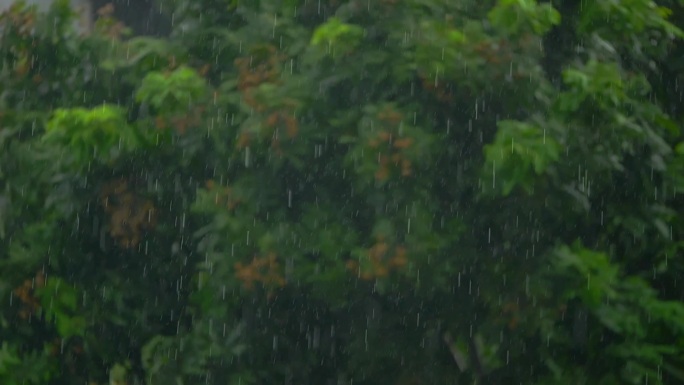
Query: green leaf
x,y
514,16
520,153
59,302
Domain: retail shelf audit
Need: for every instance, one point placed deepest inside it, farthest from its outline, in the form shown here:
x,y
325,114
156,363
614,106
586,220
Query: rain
x,y
341,192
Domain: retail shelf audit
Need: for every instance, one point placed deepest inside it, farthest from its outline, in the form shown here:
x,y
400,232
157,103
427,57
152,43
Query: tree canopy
x,y
344,192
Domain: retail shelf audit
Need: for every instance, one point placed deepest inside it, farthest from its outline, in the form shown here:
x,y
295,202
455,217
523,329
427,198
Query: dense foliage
x,y
344,191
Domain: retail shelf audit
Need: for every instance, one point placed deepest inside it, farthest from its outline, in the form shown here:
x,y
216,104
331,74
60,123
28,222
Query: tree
x,y
408,192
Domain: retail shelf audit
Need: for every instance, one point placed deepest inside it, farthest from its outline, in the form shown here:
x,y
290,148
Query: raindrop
x,y
316,337
247,157
275,22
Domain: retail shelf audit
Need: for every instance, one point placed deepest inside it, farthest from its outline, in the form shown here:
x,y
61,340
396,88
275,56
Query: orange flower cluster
x,y
21,66
107,24
511,309
393,156
441,90
253,71
129,214
204,70
494,52
381,262
224,195
281,117
390,115
264,270
257,69
182,122
275,121
25,294
392,149
244,139
23,20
